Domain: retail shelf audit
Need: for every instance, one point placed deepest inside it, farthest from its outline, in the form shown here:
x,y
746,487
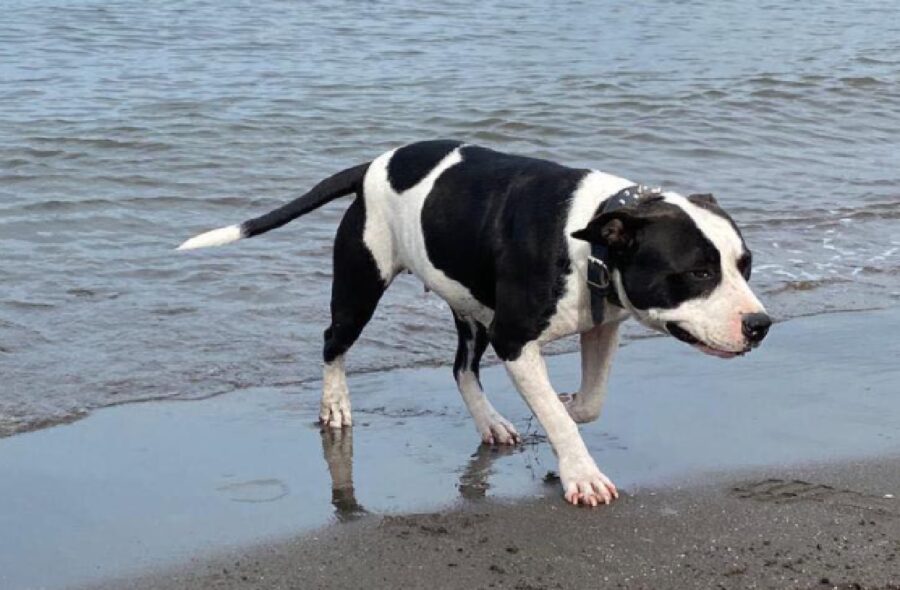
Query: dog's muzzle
x,y
681,334
754,327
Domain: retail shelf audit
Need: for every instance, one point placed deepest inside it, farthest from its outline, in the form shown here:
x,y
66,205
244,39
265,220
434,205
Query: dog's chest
x,y
573,311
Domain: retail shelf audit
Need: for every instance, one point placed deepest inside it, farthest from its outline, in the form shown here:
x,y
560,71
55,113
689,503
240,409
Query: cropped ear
x,y
615,229
703,199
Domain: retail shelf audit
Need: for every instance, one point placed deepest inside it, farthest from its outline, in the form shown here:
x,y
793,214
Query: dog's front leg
x,y
581,479
598,346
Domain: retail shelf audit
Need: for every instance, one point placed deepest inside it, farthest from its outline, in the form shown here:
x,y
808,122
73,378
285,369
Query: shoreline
x,y
142,488
828,526
12,428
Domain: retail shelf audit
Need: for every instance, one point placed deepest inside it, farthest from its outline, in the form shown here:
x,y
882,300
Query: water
x,y
126,127
185,481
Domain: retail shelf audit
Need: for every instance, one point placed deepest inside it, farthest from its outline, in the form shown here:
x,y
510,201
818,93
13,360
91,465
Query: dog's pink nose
x,y
755,326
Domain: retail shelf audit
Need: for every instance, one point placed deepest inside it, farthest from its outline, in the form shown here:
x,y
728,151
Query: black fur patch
x,y
660,270
495,223
470,335
709,203
411,163
357,284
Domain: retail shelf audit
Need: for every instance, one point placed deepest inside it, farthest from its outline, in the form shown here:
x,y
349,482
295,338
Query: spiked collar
x,y
599,275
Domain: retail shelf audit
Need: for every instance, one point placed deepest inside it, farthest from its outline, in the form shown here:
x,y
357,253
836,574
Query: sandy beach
x,y
771,471
832,526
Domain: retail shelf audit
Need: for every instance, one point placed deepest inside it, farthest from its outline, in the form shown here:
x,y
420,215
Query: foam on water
x,y
128,127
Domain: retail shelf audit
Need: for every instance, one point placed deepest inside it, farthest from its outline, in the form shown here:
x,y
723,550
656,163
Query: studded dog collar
x,y
599,278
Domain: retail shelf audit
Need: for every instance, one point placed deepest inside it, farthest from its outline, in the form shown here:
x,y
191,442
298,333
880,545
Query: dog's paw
x,y
336,413
577,411
495,429
584,483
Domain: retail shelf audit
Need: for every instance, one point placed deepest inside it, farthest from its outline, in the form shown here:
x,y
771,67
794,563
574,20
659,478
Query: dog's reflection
x,y
337,446
475,479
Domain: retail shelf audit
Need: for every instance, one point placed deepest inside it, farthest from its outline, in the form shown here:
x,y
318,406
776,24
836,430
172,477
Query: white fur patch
x,y
581,479
529,374
377,234
598,346
573,310
393,233
334,410
216,237
491,425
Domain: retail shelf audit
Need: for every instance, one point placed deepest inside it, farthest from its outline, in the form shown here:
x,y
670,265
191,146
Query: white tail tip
x,y
216,237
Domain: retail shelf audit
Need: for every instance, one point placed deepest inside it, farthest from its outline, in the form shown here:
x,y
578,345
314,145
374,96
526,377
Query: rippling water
x,y
128,126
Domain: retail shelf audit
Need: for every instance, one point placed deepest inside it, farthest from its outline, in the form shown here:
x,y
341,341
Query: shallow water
x,y
126,127
144,485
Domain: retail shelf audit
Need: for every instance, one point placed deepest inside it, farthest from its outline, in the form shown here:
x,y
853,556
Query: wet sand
x,y
825,527
243,490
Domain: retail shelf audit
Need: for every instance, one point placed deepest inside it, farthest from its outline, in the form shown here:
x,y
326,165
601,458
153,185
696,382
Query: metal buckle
x,y
602,273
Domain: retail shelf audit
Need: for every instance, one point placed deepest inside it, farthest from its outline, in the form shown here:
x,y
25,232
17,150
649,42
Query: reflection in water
x,y
337,446
473,483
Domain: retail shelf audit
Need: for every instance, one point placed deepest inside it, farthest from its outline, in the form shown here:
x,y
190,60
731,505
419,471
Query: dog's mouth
x,y
688,338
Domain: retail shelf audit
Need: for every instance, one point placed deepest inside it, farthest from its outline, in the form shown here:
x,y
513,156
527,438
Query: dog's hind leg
x,y
473,340
356,289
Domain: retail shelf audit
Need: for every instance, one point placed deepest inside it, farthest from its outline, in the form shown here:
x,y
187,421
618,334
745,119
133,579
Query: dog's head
x,y
680,266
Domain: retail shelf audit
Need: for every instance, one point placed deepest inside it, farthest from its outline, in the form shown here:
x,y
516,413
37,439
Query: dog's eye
x,y
701,274
744,264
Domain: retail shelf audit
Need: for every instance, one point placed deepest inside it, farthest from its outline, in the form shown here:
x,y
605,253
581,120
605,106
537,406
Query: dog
x,y
526,251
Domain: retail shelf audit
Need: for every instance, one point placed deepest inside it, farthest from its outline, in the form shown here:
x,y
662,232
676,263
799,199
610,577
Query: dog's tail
x,y
342,183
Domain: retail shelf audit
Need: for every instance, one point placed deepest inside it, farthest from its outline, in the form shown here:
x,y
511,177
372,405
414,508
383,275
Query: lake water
x,y
128,126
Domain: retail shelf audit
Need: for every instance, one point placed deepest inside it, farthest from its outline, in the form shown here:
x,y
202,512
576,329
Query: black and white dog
x,y
526,251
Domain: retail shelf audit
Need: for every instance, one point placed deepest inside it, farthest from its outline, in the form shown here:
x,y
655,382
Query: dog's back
x,y
456,215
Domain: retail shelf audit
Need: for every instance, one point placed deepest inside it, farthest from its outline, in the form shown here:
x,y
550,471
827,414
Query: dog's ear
x,y
703,199
615,229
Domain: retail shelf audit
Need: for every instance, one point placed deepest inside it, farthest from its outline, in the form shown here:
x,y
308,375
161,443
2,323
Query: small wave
x,y
173,311
501,137
38,153
713,93
15,163
25,178
887,210
102,143
132,180
862,81
775,93
868,59
79,205
84,294
778,81
805,285
25,305
10,425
